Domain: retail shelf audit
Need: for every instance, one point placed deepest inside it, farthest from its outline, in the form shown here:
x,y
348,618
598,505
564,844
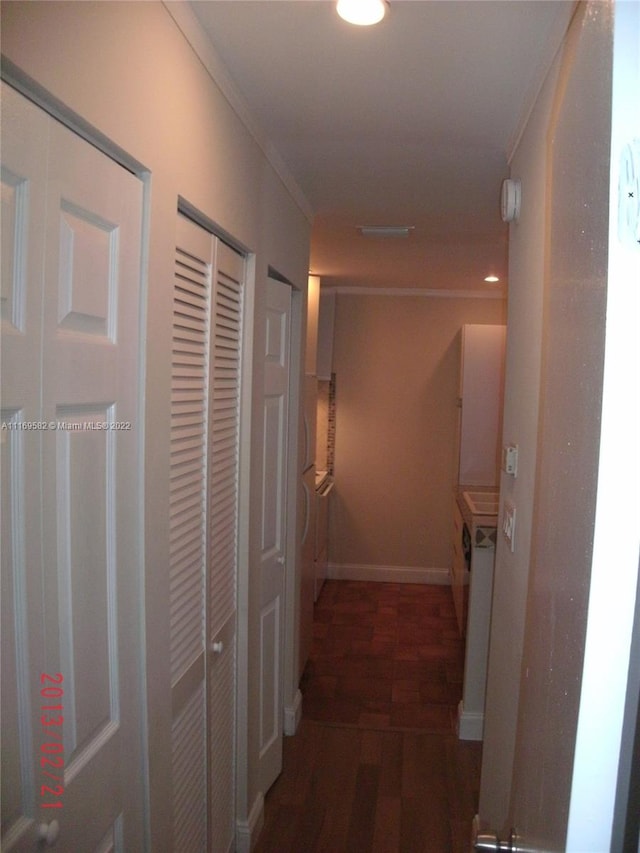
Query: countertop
x,y
483,528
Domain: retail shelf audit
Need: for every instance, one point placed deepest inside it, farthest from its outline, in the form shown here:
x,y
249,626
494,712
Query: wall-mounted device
x,y
510,459
510,200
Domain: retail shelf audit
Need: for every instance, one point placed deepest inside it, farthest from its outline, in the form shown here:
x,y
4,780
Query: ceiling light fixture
x,y
491,279
363,13
385,230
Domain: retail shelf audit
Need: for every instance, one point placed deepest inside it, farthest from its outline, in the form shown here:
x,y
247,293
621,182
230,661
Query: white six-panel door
x,y
71,475
273,554
24,171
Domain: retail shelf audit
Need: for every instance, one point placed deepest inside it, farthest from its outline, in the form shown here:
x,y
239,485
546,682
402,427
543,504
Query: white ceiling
x,y
410,122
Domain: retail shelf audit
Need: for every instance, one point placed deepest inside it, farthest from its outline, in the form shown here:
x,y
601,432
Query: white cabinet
x,y
480,391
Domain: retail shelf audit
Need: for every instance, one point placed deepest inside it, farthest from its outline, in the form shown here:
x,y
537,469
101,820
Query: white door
x,y
24,170
205,412
187,536
222,533
273,556
71,567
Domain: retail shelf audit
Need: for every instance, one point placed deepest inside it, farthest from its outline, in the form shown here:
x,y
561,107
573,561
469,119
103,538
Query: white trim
x,y
145,290
195,34
352,290
247,831
389,574
470,724
293,715
43,98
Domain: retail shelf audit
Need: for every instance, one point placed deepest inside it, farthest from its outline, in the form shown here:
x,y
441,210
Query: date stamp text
x,y
52,746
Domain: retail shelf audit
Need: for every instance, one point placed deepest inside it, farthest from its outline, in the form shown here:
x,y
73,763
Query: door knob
x,y
280,561
48,832
489,841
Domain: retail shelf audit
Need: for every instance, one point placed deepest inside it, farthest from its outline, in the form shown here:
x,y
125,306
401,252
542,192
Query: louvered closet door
x,y
224,429
204,507
189,412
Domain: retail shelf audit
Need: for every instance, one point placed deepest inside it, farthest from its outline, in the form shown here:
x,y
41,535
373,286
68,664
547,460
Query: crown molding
x,y
191,28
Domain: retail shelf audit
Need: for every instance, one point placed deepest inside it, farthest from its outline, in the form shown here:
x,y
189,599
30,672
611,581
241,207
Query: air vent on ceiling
x,y
385,230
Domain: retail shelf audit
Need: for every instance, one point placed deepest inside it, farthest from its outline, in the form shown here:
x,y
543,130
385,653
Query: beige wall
x,y
557,296
322,426
575,292
127,70
520,426
396,360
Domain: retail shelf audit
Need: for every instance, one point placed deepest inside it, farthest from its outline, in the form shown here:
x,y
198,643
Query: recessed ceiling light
x,y
364,13
491,279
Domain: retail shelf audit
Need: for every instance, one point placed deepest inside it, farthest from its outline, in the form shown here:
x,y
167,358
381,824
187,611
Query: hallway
x,y
376,765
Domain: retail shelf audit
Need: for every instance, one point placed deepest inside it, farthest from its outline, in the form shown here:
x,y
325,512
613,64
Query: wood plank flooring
x,y
375,766
353,790
385,655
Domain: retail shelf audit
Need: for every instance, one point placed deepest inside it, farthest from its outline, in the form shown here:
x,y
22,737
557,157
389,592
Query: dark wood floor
x,y
376,765
385,655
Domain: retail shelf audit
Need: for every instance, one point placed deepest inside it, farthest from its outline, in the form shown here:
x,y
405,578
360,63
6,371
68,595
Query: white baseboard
x,y
388,574
470,724
293,715
247,831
